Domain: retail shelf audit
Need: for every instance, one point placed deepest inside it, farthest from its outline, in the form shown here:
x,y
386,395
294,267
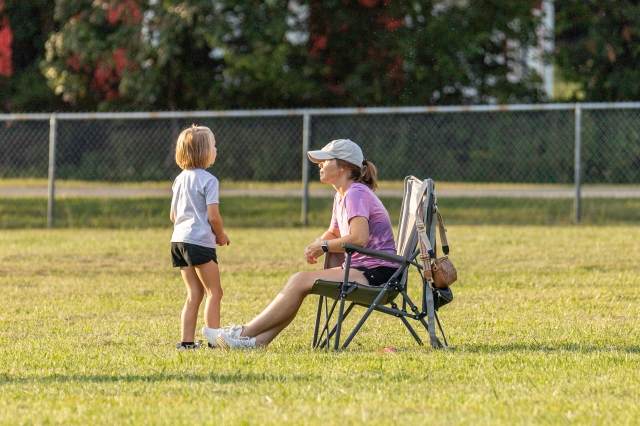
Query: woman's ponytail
x,y
369,175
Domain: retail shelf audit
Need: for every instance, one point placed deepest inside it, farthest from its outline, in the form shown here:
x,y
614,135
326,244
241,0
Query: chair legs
x,y
406,324
322,335
364,317
316,328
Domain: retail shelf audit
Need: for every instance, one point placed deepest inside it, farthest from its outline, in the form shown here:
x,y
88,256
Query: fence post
x,y
306,126
578,161
52,168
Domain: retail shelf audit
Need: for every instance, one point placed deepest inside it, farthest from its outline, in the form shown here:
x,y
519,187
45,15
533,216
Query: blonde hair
x,y
367,175
193,148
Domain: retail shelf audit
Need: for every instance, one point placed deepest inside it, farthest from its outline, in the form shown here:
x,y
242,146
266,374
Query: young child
x,y
197,230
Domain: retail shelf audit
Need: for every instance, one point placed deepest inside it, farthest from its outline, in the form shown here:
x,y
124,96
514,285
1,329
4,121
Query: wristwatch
x,y
325,246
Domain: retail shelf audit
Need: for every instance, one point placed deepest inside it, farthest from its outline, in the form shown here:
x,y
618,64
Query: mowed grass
x,y
544,326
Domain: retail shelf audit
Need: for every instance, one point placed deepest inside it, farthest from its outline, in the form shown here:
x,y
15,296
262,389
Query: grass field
x,y
544,325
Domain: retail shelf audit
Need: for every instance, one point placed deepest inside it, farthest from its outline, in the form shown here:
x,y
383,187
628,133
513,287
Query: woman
x,y
358,218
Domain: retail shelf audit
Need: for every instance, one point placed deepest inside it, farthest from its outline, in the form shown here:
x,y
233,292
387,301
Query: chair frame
x,y
377,298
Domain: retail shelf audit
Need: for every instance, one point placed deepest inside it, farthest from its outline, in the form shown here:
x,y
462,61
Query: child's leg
x,y
209,275
195,293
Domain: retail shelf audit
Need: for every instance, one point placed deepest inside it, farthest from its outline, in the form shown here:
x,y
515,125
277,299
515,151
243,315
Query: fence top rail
x,y
25,117
610,105
312,111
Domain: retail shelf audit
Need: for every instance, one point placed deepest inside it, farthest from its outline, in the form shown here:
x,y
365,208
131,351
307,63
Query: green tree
x,y
23,88
421,52
597,48
199,54
174,55
88,58
457,52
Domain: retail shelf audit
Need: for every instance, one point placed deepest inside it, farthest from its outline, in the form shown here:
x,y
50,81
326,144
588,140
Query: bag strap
x,y
426,254
426,251
443,233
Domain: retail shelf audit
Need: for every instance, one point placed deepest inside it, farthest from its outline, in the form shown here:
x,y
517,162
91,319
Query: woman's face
x,y
329,171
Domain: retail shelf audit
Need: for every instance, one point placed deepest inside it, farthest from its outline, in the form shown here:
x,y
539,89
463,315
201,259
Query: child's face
x,y
214,151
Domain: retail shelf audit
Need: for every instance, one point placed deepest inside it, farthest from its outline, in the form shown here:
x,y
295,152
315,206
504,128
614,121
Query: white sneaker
x,y
212,333
229,341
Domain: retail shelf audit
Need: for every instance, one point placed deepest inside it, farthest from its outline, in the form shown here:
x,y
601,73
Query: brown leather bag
x,y
444,273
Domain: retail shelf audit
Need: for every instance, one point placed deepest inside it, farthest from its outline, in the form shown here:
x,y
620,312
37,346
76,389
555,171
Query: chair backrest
x,y
415,191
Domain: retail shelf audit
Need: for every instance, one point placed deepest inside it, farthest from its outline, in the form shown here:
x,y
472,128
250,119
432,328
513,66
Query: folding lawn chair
x,y
417,195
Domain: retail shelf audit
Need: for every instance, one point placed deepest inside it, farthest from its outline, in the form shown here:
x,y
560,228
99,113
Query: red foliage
x,y
107,73
379,19
74,63
318,42
6,39
124,11
120,60
106,77
391,24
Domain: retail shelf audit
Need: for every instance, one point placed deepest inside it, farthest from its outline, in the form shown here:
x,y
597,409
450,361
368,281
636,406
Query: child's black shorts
x,y
185,254
378,276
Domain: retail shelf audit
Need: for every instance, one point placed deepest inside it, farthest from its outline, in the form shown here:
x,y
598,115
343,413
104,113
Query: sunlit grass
x,y
544,326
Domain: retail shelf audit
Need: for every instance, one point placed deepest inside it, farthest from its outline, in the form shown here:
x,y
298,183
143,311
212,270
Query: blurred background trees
x,y
597,49
25,26
245,54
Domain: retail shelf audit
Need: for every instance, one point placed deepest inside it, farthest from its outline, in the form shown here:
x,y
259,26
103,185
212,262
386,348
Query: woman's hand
x,y
313,252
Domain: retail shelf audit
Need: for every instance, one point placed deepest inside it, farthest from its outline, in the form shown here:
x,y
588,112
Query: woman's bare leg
x,y
284,308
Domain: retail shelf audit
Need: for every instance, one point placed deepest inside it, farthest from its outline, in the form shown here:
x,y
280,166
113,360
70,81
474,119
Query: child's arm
x,y
213,212
172,215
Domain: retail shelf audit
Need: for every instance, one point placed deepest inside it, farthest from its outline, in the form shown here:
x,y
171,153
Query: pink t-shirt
x,y
359,200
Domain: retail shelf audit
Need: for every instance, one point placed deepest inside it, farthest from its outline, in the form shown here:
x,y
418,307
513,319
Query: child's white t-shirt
x,y
193,190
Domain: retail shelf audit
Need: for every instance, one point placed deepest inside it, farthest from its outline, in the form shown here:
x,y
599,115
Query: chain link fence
x,y
24,148
515,144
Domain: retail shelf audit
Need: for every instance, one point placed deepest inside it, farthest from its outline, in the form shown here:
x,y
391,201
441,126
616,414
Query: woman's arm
x,y
215,220
329,234
359,236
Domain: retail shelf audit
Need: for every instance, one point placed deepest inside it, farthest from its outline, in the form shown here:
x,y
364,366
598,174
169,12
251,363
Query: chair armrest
x,y
375,253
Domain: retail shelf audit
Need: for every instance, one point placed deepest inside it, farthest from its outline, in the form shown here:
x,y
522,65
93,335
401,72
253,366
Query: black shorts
x,y
378,276
185,254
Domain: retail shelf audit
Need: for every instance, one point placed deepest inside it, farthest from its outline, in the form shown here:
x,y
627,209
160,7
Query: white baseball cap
x,y
342,149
